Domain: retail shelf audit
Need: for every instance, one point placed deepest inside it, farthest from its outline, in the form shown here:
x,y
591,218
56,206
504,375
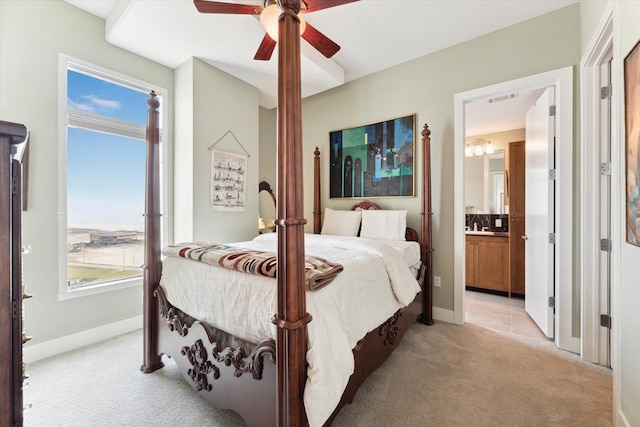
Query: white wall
x,y
625,257
215,102
183,155
268,143
626,341
474,184
32,34
629,319
426,86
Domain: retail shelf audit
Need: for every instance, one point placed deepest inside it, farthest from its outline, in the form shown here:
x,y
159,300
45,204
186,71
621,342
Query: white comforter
x,y
375,283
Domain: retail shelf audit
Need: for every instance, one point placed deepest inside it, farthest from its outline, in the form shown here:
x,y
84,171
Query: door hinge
x,y
552,302
605,168
606,92
14,185
552,110
605,321
552,174
552,238
605,245
14,309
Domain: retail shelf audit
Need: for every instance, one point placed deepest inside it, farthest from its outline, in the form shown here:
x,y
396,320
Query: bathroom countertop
x,y
487,233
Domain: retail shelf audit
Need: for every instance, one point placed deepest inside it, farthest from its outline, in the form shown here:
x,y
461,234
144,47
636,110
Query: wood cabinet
x,y
517,209
517,166
11,333
516,256
487,262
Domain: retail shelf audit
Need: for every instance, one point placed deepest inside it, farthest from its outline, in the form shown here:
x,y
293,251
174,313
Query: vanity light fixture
x,y
488,148
468,151
479,147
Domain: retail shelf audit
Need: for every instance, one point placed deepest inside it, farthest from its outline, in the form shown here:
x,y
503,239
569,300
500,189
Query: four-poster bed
x,y
265,381
236,373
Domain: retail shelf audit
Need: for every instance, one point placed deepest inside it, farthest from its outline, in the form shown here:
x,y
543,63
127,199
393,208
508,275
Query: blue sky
x,y
97,96
105,173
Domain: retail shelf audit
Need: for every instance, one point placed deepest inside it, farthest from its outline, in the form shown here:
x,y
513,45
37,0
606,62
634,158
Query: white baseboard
x,y
576,343
60,345
443,315
621,420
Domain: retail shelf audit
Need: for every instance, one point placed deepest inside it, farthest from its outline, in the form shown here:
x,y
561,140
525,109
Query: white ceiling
x,y
373,35
499,113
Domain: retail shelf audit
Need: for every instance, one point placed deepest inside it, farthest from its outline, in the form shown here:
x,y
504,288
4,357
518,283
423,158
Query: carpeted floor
x,y
441,375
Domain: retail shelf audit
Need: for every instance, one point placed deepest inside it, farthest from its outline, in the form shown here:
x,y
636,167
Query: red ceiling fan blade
x,y
313,5
324,44
204,6
266,49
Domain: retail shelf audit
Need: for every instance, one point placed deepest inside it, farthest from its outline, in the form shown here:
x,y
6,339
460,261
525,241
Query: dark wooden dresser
x,y
13,140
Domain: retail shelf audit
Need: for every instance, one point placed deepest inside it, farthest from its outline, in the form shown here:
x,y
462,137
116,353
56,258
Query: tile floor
x,y
500,313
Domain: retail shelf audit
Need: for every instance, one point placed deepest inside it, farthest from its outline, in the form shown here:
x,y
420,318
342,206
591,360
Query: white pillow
x,y
341,223
383,224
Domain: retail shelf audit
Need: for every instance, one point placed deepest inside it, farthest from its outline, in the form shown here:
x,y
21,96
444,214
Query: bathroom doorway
x,y
495,215
561,80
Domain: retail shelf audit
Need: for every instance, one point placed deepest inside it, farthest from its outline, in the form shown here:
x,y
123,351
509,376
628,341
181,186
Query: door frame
x,y
599,51
562,80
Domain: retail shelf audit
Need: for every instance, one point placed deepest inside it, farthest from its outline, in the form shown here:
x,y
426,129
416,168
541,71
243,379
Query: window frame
x,y
96,123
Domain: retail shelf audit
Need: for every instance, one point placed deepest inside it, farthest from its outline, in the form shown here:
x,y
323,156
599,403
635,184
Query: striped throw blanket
x,y
318,271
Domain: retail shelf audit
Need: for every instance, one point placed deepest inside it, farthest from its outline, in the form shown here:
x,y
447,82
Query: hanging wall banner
x,y
228,181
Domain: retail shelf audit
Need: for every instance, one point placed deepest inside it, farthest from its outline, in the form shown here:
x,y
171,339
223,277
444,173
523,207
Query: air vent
x,y
503,98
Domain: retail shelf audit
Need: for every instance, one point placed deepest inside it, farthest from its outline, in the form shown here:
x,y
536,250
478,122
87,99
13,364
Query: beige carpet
x,y
442,375
447,375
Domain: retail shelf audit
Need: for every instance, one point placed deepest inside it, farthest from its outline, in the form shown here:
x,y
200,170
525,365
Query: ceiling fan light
x,y
303,23
269,20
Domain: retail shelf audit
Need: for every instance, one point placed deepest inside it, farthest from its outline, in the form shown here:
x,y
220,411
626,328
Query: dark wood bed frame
x,y
266,386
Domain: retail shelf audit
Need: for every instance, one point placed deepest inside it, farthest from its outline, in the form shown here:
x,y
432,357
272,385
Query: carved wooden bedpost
x,y
152,268
425,235
291,317
317,207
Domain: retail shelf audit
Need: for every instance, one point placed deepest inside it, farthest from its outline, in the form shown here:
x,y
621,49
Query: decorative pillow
x,y
383,224
341,223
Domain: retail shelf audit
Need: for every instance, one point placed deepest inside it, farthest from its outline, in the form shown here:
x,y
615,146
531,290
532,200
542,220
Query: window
x,y
104,183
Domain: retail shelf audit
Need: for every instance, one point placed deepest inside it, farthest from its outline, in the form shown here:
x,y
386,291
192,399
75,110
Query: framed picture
x,y
632,143
374,160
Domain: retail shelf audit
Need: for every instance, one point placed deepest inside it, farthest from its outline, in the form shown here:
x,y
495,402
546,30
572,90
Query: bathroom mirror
x,y
267,208
484,184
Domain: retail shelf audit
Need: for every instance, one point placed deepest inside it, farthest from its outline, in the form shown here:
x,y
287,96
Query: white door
x,y
539,216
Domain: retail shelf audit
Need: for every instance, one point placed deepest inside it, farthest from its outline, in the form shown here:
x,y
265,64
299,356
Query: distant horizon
x,y
106,227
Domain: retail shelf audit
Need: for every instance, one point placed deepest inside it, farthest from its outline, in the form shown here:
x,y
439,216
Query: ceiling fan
x,y
268,15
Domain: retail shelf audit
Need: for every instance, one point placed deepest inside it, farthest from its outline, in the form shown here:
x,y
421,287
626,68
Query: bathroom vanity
x,y
487,260
495,225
